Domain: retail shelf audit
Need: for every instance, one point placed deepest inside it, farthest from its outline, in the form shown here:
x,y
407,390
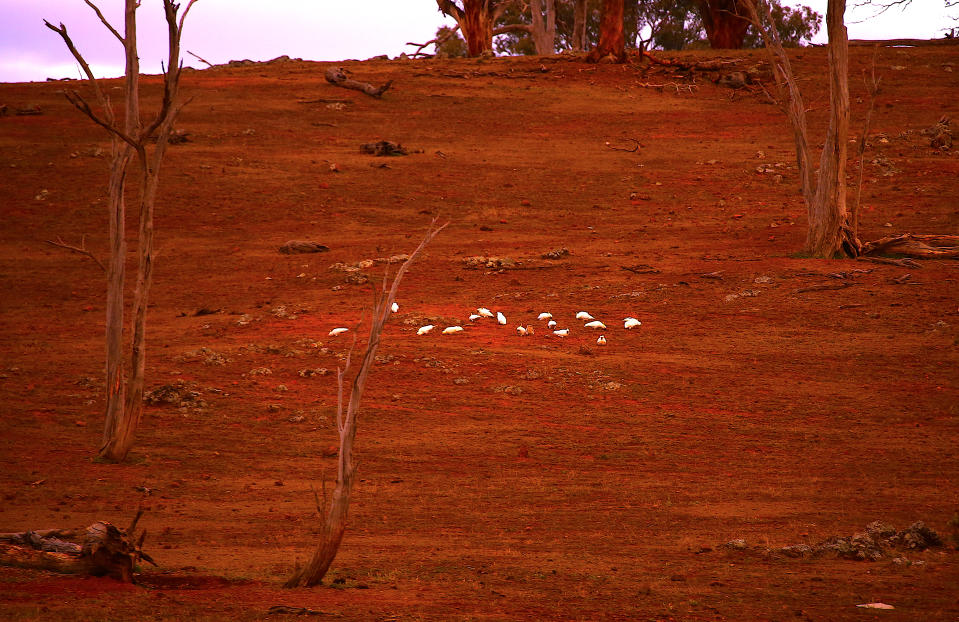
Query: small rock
x,y
736,545
460,381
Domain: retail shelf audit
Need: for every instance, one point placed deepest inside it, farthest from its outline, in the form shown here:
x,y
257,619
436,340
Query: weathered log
x,y
338,76
102,549
915,245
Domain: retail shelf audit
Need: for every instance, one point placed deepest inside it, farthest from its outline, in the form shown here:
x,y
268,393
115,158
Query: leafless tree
x,y
347,415
829,233
131,140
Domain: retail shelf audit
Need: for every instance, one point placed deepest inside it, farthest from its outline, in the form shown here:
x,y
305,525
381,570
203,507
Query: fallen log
x,y
915,245
102,549
337,76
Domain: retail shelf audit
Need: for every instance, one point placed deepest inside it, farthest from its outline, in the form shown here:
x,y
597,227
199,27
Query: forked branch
x,y
346,418
82,249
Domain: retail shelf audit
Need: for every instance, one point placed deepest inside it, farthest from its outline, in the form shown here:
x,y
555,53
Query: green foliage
x,y
450,45
796,26
652,24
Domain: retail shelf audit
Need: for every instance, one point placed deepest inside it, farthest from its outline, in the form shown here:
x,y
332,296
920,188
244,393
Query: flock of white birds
x,y
523,330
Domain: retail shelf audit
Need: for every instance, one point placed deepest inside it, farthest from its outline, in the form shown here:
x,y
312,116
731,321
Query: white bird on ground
x,y
595,324
601,341
631,322
500,318
484,312
449,330
561,333
544,316
582,315
474,317
522,331
551,324
424,329
394,307
338,331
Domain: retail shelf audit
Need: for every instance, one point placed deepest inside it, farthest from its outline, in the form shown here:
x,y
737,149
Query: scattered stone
x,y
384,148
180,394
734,80
245,320
261,371
762,280
612,386
317,371
206,356
736,545
559,253
460,381
477,262
508,389
294,247
873,544
296,419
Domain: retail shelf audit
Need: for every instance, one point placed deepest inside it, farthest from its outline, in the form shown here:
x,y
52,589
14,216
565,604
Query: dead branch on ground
x,y
82,249
338,76
632,149
915,245
102,549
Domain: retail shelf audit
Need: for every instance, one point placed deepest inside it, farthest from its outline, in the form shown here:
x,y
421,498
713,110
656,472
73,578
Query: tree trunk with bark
x,y
543,26
347,414
579,26
125,378
612,39
476,19
725,23
829,233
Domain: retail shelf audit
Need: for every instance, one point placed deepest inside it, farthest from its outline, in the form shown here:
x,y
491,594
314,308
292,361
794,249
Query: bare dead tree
x,y
347,415
130,140
829,232
872,87
832,228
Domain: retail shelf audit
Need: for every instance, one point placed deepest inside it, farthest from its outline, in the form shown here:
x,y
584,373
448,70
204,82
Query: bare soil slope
x,y
503,477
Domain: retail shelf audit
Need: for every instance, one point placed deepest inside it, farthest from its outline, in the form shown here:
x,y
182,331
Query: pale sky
x,y
223,30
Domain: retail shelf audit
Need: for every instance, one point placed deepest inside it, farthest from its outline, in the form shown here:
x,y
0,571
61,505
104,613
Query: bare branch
x,y
448,34
103,99
82,249
81,104
208,63
105,22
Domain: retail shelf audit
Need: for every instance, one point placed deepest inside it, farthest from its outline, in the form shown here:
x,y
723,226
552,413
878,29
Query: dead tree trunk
x,y
346,419
829,233
725,23
339,76
579,26
102,549
612,39
124,380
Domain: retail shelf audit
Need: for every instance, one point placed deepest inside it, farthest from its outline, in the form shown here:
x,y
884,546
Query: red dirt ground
x,y
502,477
